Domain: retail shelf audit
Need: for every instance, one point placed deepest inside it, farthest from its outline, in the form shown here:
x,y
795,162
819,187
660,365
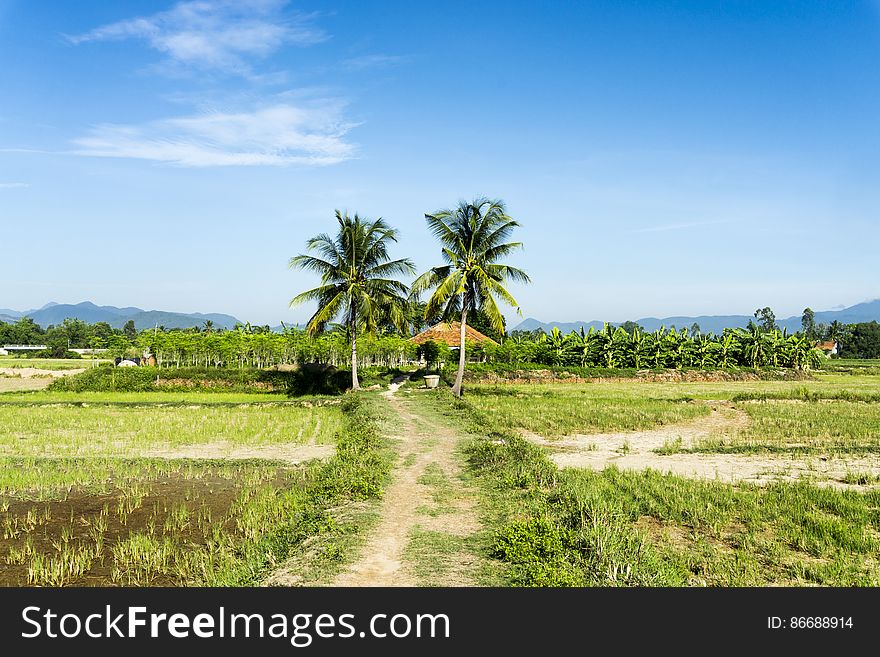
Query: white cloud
x,y
214,34
13,185
274,135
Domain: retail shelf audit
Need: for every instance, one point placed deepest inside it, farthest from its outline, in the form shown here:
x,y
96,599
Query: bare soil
x,y
634,450
31,372
23,379
16,384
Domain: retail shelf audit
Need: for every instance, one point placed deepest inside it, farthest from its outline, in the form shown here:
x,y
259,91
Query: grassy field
x,y
613,527
175,488
208,486
832,414
819,427
43,426
145,400
555,410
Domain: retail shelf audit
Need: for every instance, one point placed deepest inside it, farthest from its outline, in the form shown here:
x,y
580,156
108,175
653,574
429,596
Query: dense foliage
x,y
613,347
71,334
292,347
861,341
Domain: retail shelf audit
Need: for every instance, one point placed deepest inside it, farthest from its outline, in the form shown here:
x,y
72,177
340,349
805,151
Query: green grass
x,y
147,399
611,528
292,382
122,430
443,491
443,559
818,427
553,410
853,366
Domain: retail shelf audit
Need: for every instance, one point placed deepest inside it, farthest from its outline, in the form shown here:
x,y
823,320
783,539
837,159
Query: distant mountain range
x,y
56,313
862,312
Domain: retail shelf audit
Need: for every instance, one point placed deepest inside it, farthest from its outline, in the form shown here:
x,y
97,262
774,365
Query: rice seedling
x,y
21,556
816,427
555,410
177,520
59,570
141,558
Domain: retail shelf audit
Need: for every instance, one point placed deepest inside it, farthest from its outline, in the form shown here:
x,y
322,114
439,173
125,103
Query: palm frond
x,y
507,273
326,311
311,263
500,251
401,266
315,294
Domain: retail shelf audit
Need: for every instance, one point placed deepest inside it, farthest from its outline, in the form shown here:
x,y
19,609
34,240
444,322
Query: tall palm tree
x,y
356,282
474,238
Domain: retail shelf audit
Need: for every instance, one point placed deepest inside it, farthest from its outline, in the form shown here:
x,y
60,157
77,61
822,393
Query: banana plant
x,y
728,345
636,341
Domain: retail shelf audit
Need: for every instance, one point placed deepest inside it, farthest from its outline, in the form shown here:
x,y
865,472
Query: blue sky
x,y
664,158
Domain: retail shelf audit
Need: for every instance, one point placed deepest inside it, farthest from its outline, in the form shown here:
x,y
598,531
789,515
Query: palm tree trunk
x,y
354,356
456,389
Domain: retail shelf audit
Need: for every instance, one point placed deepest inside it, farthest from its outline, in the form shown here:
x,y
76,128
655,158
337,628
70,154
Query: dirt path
x,y
427,452
634,450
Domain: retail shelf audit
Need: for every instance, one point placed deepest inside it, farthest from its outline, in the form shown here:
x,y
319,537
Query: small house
x,y
829,348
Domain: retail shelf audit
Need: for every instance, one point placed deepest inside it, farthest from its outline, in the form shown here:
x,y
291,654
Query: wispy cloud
x,y
14,185
275,135
365,62
683,226
214,34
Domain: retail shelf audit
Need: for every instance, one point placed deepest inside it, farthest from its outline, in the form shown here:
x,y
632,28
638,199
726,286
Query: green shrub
x,y
53,353
294,383
108,378
310,380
